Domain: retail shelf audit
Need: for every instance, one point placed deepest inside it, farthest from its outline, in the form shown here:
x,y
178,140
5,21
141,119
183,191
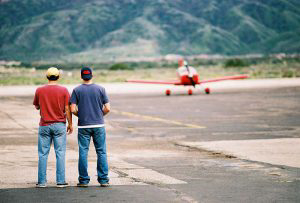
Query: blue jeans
x,y
99,139
57,133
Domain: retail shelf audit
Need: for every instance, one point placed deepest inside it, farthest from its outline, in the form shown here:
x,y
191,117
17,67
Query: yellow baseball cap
x,y
52,71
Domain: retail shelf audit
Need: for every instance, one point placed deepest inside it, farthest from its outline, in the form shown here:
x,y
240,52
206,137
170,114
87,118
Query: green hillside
x,y
97,30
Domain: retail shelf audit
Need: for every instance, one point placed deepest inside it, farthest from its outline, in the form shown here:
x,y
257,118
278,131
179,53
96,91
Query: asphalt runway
x,y
234,115
150,152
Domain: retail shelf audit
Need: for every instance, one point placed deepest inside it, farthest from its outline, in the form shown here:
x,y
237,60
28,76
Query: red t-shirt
x,y
52,100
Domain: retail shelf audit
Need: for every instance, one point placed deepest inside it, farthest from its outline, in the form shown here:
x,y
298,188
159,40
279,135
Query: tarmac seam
x,y
219,154
180,195
12,118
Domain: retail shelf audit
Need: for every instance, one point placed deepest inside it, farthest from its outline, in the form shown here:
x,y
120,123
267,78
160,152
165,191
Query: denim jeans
x,y
99,139
57,133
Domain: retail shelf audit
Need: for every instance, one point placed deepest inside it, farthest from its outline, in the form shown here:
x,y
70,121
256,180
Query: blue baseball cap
x,y
86,73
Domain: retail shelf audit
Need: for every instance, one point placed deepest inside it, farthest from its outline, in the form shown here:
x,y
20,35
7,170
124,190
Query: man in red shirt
x,y
53,102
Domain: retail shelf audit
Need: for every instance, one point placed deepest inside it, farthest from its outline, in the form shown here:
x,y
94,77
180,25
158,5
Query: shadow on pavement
x,y
90,194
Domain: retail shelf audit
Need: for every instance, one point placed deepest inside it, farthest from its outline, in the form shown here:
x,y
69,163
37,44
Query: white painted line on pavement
x,y
151,176
152,118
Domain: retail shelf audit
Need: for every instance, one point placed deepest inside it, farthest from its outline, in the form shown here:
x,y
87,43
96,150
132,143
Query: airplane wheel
x,y
190,92
207,90
168,92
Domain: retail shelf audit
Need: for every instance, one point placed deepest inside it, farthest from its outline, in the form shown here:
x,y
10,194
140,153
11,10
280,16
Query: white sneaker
x,y
62,185
40,185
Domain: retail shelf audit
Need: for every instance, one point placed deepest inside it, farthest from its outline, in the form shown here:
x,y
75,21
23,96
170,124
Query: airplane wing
x,y
174,82
237,77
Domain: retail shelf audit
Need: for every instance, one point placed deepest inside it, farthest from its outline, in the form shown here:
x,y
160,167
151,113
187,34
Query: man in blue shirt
x,y
90,103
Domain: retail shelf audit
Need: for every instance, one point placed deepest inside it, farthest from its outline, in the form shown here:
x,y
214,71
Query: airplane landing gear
x,y
190,91
207,90
168,92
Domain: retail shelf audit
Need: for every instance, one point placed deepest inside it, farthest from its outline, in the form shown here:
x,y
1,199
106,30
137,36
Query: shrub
x,y
120,66
235,63
26,65
288,73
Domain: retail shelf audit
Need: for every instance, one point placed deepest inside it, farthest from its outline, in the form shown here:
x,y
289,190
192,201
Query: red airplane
x,y
188,76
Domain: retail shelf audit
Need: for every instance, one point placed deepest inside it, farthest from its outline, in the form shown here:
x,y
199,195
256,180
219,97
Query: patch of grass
x,y
27,74
21,80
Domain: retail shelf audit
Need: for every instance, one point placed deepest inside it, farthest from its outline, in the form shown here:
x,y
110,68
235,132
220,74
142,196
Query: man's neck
x,y
50,82
87,82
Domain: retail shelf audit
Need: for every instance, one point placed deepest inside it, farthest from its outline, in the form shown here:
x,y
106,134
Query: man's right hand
x,y
106,109
74,109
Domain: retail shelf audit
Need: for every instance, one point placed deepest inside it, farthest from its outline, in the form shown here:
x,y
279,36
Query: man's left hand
x,y
69,129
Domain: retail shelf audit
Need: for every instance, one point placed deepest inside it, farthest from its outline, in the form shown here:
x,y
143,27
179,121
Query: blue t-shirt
x,y
90,99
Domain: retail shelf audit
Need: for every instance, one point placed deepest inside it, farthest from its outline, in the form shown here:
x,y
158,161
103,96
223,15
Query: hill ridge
x,y
103,29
